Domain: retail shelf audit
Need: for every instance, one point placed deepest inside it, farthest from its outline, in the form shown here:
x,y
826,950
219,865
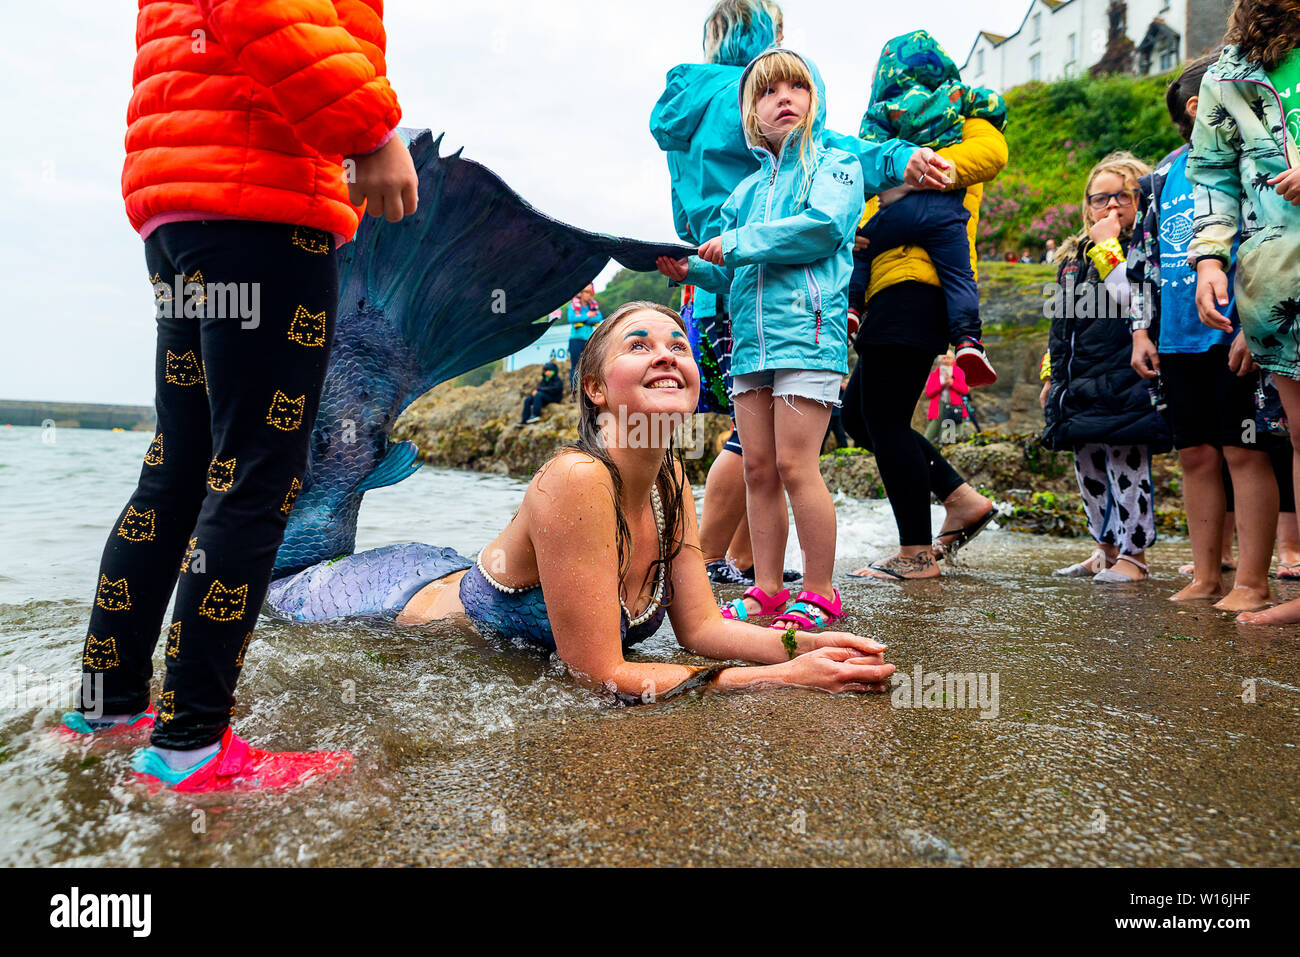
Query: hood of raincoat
x,y
690,92
819,120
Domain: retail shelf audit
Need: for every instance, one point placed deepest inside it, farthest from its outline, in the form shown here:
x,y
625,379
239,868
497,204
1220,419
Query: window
x,y
1036,67
1070,48
1168,59
1038,26
979,63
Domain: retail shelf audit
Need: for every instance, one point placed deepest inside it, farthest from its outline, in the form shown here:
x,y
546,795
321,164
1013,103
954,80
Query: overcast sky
x,y
554,96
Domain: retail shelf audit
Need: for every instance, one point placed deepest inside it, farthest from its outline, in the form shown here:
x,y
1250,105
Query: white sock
x,y
178,759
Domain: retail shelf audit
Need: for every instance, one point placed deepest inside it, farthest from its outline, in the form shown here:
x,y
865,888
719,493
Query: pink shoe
x,y
238,767
767,604
75,727
802,611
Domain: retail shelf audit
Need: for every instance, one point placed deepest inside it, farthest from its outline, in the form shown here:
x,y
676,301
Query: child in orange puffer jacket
x,y
256,132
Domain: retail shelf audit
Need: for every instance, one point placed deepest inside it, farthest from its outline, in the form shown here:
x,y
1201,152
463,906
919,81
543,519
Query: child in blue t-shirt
x,y
1208,378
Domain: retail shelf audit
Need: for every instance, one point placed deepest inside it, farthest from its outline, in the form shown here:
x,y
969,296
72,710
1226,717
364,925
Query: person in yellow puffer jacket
x,y
905,326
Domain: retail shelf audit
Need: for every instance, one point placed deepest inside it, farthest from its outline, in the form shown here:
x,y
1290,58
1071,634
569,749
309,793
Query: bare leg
x,y
741,549
1256,520
1288,612
963,507
765,495
1204,500
1288,545
440,599
799,426
724,505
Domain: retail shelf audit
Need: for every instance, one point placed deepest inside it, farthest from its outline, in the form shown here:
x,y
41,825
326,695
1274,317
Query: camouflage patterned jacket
x,y
1239,143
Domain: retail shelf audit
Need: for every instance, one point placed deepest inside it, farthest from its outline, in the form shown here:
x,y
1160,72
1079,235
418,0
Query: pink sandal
x,y
801,612
767,604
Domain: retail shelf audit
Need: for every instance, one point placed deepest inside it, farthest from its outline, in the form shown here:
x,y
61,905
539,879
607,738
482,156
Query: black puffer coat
x,y
1095,396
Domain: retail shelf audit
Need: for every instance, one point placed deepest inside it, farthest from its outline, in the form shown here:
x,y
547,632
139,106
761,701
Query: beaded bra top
x,y
521,612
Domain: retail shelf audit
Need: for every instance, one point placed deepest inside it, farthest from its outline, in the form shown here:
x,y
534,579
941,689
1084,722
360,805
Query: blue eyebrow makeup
x,y
636,332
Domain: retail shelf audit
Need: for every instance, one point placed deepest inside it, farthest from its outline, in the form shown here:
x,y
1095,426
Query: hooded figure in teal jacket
x,y
696,122
787,240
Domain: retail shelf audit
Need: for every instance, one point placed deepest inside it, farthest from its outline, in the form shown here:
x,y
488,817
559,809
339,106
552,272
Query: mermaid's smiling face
x,y
648,368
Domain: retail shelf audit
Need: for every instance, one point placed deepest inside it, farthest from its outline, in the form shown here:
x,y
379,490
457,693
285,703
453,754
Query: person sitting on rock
x,y
548,390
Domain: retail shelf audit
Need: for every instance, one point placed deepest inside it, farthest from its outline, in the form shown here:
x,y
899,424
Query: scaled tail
x,y
447,290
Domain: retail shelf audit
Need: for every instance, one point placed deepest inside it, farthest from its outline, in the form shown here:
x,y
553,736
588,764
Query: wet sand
x,y
1121,739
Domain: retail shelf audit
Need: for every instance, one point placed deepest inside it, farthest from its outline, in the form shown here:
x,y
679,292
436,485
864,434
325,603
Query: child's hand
x,y
1105,228
1212,291
1288,185
674,269
385,181
927,170
711,252
1145,360
1042,396
1240,360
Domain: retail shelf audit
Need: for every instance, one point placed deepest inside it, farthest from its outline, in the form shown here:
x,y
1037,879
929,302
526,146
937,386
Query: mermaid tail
x,y
453,287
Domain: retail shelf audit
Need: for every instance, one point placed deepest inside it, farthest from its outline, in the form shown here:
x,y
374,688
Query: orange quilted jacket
x,y
246,109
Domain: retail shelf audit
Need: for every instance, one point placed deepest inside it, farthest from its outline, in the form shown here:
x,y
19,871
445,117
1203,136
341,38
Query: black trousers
x,y
878,404
533,405
243,343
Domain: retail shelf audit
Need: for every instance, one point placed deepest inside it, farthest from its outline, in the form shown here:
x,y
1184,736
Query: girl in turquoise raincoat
x,y
785,254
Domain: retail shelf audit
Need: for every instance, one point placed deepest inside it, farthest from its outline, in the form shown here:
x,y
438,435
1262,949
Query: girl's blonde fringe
x,y
770,68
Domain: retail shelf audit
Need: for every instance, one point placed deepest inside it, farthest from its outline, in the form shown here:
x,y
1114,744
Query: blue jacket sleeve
x,y
825,225
882,163
707,276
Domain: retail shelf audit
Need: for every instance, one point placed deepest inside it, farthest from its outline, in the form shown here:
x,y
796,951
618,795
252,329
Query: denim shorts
x,y
816,384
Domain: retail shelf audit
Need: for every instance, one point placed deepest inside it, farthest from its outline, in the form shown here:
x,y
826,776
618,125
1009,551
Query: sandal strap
x,y
794,615
1133,561
737,609
832,606
767,604
809,604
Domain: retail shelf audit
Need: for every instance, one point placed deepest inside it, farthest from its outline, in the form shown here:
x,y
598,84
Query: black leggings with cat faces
x,y
245,319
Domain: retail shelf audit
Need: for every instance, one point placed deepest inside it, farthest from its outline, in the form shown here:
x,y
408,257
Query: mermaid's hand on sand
x,y
837,670
842,639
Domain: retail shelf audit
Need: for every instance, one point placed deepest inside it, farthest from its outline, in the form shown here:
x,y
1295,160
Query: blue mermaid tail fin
x,y
401,462
455,286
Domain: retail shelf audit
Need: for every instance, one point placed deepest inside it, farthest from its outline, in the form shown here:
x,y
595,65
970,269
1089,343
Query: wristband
x,y
700,676
1106,256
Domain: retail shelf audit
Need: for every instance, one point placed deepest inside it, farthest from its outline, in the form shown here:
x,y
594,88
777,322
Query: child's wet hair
x,y
772,67
739,30
1181,90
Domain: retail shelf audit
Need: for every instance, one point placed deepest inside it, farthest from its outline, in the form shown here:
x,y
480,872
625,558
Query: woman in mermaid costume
x,y
620,549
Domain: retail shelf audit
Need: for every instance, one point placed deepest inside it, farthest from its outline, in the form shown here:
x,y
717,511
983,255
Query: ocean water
x,y
1127,731
441,687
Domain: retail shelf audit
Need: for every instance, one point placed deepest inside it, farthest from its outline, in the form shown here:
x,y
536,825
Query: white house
x,y
1064,38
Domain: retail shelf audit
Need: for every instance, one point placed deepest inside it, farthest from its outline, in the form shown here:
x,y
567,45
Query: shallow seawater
x,y
1124,731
